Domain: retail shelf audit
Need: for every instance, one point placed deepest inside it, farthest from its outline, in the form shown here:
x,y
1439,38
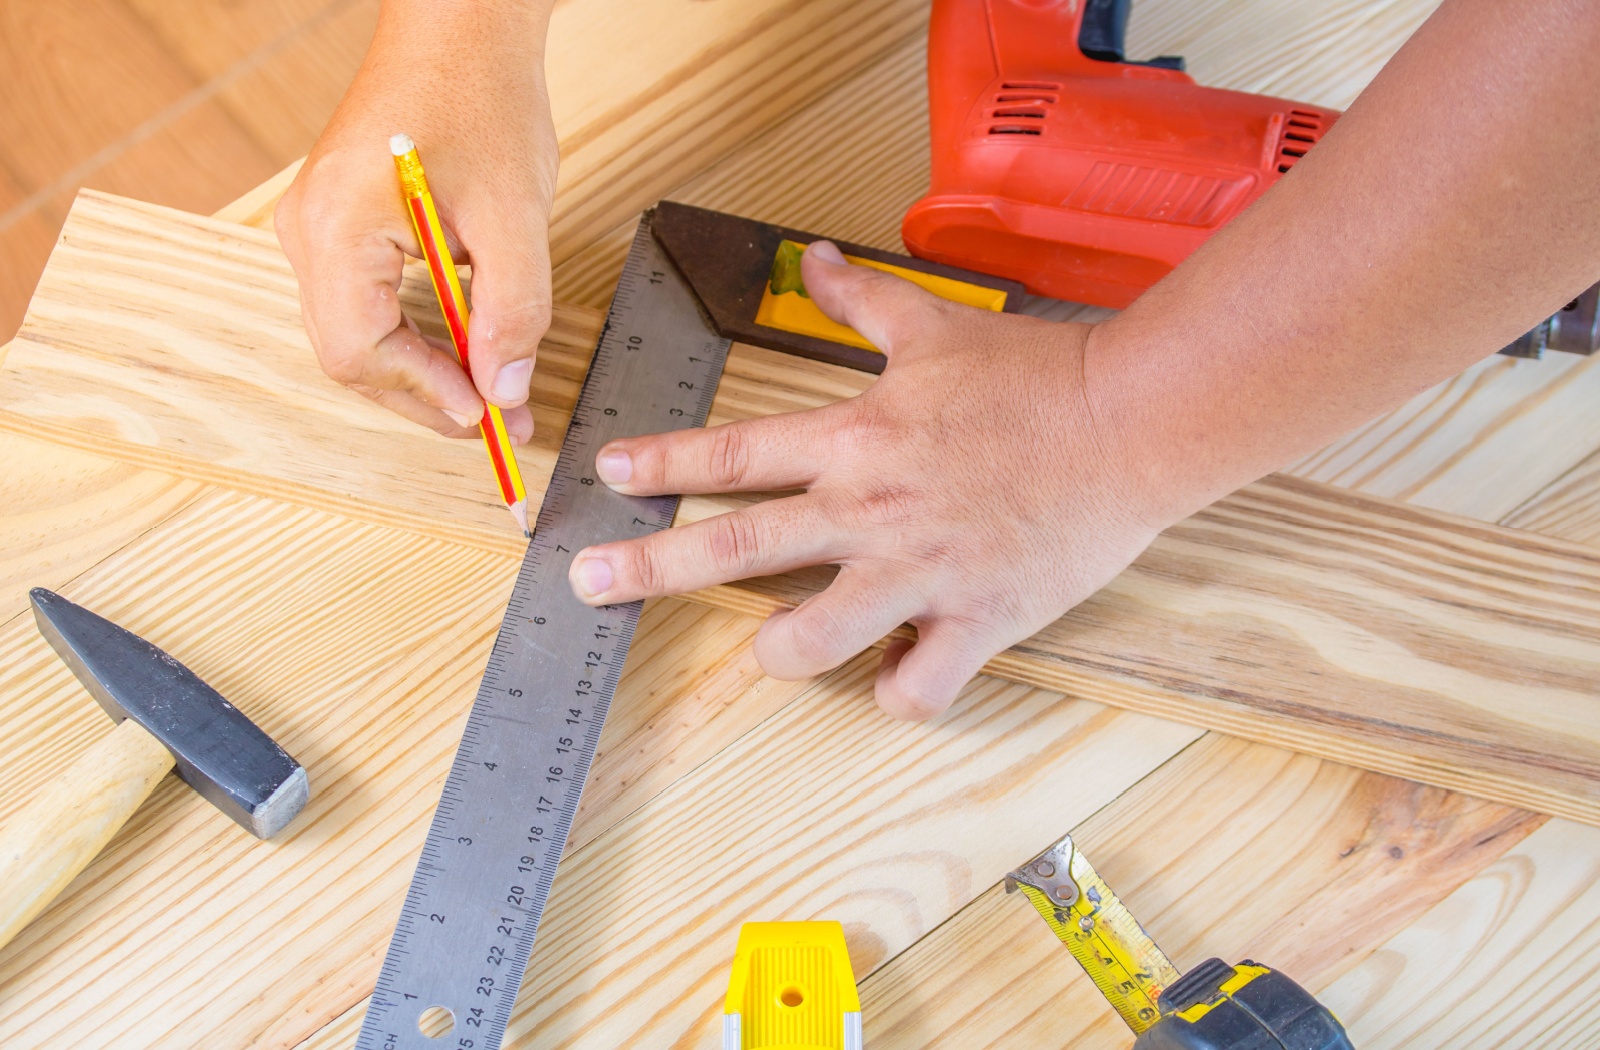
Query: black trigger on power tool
x,y
1103,33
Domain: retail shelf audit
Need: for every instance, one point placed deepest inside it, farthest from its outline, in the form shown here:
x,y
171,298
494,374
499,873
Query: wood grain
x,y
359,649
1568,507
1349,627
63,510
829,810
1230,849
1512,958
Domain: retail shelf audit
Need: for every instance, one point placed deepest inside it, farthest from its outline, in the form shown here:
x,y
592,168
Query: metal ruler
x,y
471,915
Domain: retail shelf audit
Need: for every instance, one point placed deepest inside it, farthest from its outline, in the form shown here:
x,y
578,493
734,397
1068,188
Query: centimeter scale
x,y
469,920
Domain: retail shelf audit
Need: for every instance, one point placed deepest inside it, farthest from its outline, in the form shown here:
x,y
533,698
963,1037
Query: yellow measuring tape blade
x,y
1105,938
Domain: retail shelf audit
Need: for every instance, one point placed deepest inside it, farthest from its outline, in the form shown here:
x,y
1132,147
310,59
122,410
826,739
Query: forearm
x,y
456,44
1451,209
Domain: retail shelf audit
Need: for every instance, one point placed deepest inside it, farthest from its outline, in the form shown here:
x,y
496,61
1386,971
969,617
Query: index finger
x,y
785,451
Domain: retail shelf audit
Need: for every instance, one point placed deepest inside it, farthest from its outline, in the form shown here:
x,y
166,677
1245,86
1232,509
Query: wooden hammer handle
x,y
57,834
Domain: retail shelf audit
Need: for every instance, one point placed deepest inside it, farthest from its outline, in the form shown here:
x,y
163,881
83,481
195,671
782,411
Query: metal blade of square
x,y
468,924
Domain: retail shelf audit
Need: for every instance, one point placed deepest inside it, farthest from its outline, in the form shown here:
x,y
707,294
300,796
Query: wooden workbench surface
x,y
1425,917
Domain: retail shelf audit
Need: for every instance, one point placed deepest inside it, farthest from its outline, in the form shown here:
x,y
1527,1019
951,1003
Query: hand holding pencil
x,y
491,155
453,304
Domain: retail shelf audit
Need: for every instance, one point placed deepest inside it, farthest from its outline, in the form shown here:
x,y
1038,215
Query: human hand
x,y
467,83
973,491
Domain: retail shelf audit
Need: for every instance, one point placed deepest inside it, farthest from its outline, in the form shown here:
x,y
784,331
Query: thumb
x,y
510,259
890,312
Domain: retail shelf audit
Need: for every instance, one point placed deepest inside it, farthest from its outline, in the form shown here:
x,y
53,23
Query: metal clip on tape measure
x,y
1213,1007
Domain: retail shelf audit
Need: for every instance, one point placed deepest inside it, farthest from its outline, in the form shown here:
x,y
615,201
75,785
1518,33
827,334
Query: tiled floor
x,y
182,102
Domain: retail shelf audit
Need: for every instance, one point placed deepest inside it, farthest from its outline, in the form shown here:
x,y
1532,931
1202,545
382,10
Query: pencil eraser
x,y
400,145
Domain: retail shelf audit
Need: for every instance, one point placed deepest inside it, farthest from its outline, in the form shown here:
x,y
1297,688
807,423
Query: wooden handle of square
x,y
57,834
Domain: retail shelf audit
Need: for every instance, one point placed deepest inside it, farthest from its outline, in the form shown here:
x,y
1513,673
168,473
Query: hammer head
x,y
221,753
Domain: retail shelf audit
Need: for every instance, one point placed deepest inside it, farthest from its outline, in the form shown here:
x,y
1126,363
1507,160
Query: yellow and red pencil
x,y
447,286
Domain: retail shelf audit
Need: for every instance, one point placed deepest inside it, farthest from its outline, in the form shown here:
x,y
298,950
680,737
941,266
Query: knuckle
x,y
520,326
918,702
729,461
344,368
888,503
819,636
734,542
642,561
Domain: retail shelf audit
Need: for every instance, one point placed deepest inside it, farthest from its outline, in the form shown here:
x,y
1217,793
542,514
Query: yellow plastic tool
x,y
792,988
786,306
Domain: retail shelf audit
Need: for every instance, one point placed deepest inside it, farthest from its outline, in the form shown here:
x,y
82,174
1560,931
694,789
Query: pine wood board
x,y
359,648
62,510
1568,507
829,810
1345,626
1231,849
210,37
1511,958
284,96
259,212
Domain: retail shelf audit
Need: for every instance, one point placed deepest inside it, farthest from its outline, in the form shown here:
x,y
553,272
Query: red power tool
x,y
1060,164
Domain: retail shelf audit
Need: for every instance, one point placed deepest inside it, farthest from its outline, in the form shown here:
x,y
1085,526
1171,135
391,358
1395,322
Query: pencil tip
x,y
519,511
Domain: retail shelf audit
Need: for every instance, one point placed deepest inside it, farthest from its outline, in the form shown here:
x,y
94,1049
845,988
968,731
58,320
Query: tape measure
x,y
1214,1006
459,951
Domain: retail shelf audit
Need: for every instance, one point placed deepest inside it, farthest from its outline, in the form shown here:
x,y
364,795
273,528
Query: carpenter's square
x,y
694,281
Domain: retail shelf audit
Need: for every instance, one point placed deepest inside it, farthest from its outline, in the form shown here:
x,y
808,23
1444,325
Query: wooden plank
x,y
828,810
1568,507
63,510
1512,958
1230,849
79,78
284,97
359,648
210,37
644,99
1349,627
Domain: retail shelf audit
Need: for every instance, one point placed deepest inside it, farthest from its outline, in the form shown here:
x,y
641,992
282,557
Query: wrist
x,y
1173,462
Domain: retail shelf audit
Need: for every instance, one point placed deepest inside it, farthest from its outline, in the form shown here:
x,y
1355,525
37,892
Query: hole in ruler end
x,y
436,1022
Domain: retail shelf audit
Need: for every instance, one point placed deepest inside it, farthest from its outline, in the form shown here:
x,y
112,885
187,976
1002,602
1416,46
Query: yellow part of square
x,y
794,312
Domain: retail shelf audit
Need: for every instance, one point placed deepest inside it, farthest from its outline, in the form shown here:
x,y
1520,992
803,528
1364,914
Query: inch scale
x,y
470,917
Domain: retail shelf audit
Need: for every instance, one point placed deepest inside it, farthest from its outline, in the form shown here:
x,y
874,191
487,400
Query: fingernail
x,y
511,384
828,252
462,419
614,467
591,577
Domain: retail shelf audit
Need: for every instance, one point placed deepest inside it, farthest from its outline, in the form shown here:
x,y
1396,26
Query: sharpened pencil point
x,y
519,510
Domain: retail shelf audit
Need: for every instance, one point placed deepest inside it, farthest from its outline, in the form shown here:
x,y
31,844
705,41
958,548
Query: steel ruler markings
x,y
469,920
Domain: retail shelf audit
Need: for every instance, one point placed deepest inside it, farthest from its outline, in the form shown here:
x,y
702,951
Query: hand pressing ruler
x,y
693,278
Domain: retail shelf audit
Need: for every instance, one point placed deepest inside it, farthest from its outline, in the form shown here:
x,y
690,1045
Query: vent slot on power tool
x,y
1300,132
1021,100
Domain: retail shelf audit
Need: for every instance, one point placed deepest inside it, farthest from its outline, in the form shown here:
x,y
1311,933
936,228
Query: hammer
x,y
166,716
